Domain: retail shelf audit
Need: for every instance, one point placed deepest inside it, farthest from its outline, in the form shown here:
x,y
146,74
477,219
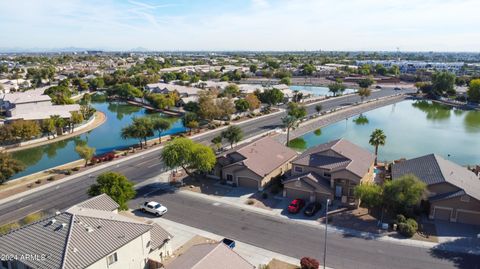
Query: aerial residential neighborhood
x,y
252,134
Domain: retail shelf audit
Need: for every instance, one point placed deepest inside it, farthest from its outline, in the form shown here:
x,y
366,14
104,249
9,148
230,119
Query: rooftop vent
x,y
52,221
90,229
58,213
64,225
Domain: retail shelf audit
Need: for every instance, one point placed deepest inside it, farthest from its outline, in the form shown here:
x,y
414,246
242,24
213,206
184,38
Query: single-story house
x,y
453,190
329,171
87,235
254,164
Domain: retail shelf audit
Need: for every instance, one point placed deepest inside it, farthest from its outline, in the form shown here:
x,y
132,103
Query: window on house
x,y
298,169
112,259
327,174
229,177
465,198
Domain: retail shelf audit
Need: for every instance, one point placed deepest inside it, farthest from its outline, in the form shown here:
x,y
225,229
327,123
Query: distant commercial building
x,y
413,66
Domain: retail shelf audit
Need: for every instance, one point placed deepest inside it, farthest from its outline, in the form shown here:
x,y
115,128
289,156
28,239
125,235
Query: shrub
x,y
264,195
400,219
309,263
38,181
75,169
8,227
51,178
68,172
408,228
32,218
250,202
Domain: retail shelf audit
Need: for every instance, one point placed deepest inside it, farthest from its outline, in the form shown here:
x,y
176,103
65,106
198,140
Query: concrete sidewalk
x,y
255,255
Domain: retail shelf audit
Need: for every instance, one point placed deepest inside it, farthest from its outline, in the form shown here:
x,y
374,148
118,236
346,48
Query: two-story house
x,y
453,190
329,171
89,235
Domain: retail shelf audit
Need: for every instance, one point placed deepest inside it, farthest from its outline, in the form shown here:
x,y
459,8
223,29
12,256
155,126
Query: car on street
x,y
229,242
378,87
397,89
296,205
154,208
312,209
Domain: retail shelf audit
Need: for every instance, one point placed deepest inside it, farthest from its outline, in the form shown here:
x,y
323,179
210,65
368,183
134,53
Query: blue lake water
x,y
413,128
317,91
104,138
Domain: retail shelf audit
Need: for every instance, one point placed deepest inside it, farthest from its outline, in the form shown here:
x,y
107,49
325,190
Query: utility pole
x,y
326,225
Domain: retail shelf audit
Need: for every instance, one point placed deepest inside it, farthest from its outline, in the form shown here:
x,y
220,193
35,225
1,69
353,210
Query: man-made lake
x,y
413,128
317,91
104,138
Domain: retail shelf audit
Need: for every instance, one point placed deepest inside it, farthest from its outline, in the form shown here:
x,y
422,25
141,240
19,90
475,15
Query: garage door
x,y
293,193
442,214
247,182
468,217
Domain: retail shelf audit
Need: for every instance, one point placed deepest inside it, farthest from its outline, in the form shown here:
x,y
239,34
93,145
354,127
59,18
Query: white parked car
x,y
154,208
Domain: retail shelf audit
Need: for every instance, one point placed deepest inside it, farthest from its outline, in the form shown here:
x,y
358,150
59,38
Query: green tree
x,y
48,127
167,77
76,118
380,69
125,91
217,142
9,167
318,108
85,152
286,80
184,153
443,83
115,185
308,69
336,87
187,120
474,90
241,105
233,134
232,90
289,122
296,110
377,138
191,107
96,83
370,195
140,128
365,82
272,96
253,68
403,192
160,125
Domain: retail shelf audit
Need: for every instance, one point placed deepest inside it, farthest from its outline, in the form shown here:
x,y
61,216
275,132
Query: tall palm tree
x,y
289,122
377,138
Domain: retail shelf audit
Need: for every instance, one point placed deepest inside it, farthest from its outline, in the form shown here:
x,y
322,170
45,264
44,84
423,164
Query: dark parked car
x,y
378,87
312,209
397,89
229,242
296,205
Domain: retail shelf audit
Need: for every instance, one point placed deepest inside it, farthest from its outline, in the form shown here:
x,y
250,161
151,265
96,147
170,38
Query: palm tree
x,y
289,122
377,138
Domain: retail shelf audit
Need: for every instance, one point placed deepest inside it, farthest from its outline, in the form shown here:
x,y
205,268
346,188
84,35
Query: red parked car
x,y
296,205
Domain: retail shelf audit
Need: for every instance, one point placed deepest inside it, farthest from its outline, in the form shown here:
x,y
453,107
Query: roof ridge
x,y
67,239
133,221
209,253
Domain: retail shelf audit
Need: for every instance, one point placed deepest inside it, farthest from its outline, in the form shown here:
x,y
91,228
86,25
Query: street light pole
x,y
326,225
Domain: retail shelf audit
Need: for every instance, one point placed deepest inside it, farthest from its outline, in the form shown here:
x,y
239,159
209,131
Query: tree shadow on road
x,y
450,251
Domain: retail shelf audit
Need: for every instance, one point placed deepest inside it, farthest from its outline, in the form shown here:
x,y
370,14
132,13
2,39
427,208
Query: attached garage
x,y
442,213
247,182
468,217
294,193
322,197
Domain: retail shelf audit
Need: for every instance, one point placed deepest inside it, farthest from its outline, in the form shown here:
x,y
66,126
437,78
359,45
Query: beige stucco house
x,y
254,164
329,171
453,190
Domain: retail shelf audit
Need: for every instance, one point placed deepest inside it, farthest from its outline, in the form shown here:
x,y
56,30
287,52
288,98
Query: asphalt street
x,y
295,239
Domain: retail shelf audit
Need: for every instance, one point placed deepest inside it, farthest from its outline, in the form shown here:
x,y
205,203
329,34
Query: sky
x,y
220,25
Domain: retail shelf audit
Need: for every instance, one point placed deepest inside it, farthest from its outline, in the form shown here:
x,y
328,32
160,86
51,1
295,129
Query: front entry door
x,y
338,191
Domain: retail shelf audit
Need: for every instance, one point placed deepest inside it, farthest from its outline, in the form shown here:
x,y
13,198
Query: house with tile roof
x,y
210,256
329,171
254,164
453,190
88,235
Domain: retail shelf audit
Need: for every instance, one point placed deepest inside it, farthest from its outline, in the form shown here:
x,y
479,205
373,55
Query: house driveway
x,y
448,231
